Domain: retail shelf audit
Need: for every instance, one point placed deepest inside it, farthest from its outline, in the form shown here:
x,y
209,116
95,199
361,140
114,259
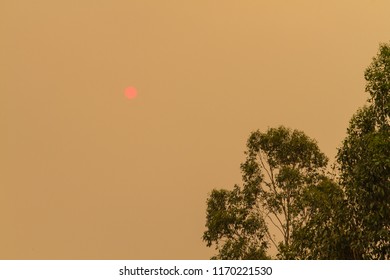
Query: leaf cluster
x,y
234,227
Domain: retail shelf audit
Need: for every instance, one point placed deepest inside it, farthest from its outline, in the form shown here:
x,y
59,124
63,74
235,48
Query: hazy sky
x,y
88,174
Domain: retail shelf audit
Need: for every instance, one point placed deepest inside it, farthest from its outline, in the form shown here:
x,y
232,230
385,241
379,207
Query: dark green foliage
x,y
364,161
234,227
377,76
323,233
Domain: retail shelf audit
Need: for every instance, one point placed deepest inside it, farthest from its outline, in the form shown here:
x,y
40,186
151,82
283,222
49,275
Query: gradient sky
x,y
88,174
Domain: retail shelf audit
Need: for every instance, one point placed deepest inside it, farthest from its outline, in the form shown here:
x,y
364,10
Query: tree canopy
x,y
288,200
364,164
281,165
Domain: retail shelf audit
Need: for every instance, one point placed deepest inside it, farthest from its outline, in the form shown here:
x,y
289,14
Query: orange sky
x,y
88,174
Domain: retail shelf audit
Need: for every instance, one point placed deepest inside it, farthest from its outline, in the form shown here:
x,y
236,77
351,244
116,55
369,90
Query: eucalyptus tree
x,y
281,166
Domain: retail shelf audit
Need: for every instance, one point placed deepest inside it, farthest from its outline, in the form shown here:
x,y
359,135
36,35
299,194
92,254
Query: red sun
x,y
130,92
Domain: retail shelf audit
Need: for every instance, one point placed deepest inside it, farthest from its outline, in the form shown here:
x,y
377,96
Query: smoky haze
x,y
89,174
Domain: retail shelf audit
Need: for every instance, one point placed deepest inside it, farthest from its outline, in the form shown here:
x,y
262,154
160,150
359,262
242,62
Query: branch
x,y
282,231
270,174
